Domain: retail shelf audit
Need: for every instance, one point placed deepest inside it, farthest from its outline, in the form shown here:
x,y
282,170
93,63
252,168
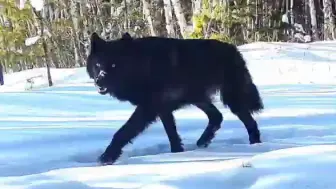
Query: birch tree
x,y
329,21
147,13
313,19
168,10
182,22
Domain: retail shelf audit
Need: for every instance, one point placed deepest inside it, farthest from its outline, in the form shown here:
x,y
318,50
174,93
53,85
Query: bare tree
x,y
180,16
168,9
147,13
75,31
329,21
313,20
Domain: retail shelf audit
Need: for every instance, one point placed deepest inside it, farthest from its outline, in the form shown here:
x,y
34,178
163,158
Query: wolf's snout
x,y
100,77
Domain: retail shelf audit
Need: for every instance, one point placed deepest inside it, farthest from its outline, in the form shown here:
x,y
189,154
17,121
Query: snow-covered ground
x,y
51,137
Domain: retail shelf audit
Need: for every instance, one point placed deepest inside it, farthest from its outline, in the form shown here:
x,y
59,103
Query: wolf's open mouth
x,y
102,90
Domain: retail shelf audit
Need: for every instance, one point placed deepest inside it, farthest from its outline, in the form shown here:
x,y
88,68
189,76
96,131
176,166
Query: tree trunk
x,y
312,8
292,16
45,47
329,24
75,32
249,23
158,14
169,18
127,21
178,9
147,13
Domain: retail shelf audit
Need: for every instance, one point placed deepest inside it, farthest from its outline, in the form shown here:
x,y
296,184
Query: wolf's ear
x,y
95,41
126,36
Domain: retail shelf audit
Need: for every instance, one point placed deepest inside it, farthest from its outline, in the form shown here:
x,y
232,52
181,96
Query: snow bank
x,y
18,81
290,63
293,168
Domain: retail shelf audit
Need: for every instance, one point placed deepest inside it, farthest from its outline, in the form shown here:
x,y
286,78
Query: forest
x,y
58,35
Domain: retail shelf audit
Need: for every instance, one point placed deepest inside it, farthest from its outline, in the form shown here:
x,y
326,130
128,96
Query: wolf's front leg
x,y
141,118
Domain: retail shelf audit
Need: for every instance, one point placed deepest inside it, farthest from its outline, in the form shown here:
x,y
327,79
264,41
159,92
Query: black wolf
x,y
160,75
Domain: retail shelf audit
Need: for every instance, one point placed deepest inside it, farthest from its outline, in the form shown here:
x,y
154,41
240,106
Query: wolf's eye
x,y
113,65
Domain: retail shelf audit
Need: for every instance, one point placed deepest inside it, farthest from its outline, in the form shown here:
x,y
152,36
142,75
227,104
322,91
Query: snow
x,y
284,18
51,137
31,40
17,82
37,4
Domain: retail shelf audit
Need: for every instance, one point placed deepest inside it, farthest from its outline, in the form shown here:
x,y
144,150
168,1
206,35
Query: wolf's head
x,y
104,65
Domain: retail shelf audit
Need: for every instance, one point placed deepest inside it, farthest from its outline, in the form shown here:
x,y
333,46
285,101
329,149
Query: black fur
x,y
160,75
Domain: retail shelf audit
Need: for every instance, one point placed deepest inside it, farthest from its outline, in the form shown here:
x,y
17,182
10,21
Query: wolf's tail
x,y
238,90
